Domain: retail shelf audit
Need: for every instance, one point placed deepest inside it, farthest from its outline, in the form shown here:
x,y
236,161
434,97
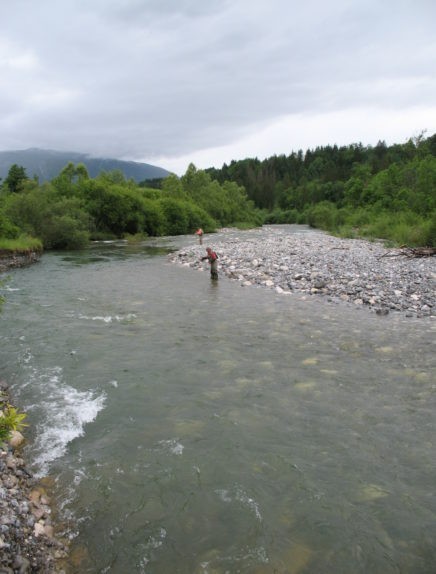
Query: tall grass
x,y
403,228
400,228
22,244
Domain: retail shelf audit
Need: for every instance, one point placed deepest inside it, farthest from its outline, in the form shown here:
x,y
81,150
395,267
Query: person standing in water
x,y
199,232
213,261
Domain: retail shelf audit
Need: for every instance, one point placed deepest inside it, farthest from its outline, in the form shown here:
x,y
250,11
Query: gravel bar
x,y
299,260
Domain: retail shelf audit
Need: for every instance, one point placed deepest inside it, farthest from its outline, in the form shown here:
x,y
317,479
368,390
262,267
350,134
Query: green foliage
x,y
350,190
176,217
21,244
70,179
134,239
114,208
154,218
198,217
381,191
15,178
428,228
150,193
153,183
7,229
65,232
226,203
4,432
173,187
10,420
26,211
183,217
279,216
14,419
59,222
70,209
242,225
404,228
323,215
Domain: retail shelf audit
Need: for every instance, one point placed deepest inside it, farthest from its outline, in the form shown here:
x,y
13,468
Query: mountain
x,y
47,164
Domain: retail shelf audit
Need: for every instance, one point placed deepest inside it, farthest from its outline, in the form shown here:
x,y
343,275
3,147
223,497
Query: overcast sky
x,y
170,82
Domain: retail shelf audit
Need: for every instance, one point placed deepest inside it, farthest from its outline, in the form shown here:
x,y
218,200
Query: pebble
x,y
311,262
27,541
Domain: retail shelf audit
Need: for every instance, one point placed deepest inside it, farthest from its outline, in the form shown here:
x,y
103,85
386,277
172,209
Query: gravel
x,y
311,262
27,540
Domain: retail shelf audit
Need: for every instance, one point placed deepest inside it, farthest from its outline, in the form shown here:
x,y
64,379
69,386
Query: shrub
x,y
404,228
64,232
279,216
10,420
197,217
176,216
323,215
7,228
429,231
153,218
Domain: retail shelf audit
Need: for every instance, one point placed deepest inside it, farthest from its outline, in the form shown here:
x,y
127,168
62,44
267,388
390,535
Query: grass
x,y
22,244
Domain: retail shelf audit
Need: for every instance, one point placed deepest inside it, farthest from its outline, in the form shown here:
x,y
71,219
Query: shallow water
x,y
197,427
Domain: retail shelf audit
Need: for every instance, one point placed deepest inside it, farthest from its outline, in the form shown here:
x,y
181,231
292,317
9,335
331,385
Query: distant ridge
x,y
47,164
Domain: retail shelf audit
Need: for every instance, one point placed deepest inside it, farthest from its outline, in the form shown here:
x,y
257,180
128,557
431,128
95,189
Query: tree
x,y
70,178
16,176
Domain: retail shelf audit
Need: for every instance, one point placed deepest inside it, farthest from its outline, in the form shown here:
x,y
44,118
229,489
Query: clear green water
x,y
193,427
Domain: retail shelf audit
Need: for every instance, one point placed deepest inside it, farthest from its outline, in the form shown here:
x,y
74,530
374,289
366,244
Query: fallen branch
x,y
419,251
411,252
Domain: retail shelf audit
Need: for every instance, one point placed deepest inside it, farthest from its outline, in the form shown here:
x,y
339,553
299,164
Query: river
x,y
195,427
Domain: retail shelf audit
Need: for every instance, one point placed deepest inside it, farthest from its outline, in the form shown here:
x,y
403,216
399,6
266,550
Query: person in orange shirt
x,y
199,232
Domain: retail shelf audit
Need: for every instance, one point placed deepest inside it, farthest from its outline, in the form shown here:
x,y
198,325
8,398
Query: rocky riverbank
x,y
9,260
27,541
312,263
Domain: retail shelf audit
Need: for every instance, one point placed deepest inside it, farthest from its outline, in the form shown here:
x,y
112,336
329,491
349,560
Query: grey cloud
x,y
146,77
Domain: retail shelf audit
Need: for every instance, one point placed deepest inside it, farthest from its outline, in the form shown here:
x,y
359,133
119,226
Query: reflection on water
x,y
220,429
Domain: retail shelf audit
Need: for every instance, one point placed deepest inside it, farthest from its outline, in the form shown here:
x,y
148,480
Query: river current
x,y
197,427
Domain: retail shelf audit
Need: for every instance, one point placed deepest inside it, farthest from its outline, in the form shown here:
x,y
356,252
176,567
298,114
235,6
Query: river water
x,y
201,428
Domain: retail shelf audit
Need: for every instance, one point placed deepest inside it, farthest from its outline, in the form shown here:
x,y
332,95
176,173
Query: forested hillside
x,y
45,164
382,191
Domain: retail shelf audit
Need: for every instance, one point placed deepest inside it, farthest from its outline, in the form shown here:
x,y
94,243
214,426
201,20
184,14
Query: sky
x,y
174,82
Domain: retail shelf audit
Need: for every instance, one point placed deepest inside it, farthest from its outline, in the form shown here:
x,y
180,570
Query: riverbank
x,y
309,263
27,541
12,260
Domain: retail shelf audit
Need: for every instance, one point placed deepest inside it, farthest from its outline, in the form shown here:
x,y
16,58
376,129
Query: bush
x,y
429,231
197,217
279,216
421,233
7,228
153,218
10,420
64,232
176,216
323,215
404,228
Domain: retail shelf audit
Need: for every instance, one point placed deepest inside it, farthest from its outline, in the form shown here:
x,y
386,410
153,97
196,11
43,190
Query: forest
x,y
381,192
72,209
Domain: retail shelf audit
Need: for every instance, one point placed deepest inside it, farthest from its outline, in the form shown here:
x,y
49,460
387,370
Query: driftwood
x,y
419,251
412,252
